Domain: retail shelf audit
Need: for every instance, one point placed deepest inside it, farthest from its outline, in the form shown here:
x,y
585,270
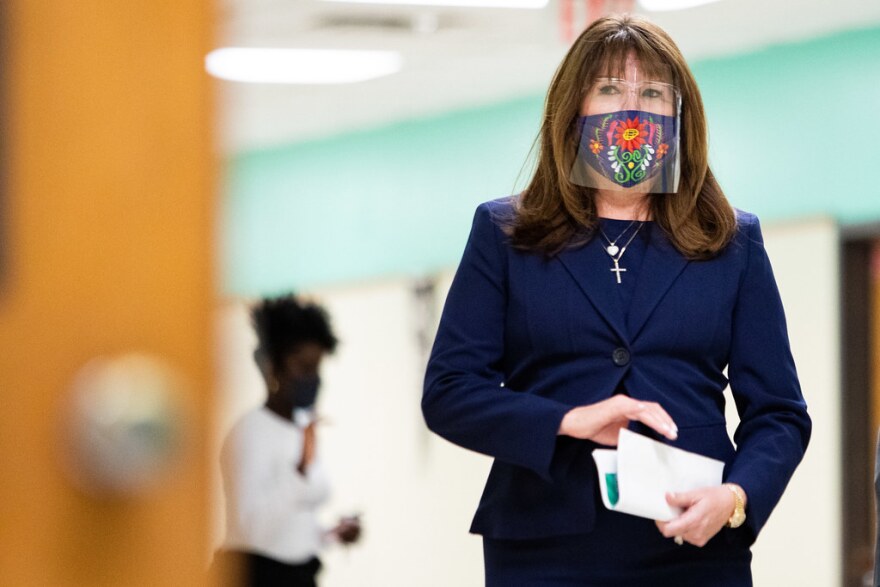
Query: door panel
x,y
108,228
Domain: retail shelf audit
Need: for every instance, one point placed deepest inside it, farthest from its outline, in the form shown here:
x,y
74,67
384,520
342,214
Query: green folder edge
x,y
611,486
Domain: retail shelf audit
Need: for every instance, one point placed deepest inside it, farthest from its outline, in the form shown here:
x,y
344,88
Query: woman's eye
x,y
658,92
608,90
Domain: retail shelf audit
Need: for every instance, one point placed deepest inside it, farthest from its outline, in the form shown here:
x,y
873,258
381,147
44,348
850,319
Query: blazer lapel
x,y
587,264
661,266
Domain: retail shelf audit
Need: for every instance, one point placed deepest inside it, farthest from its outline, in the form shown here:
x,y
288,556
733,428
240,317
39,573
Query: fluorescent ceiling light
x,y
661,5
300,66
531,4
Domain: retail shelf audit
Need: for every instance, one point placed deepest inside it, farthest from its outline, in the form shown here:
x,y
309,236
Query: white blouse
x,y
270,506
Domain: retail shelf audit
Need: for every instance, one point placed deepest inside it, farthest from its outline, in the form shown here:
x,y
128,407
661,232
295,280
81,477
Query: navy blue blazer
x,y
524,338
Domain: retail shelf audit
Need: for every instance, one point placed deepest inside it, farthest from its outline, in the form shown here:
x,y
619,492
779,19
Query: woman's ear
x,y
272,383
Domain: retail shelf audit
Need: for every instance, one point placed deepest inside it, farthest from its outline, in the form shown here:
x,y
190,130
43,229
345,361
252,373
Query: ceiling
x,y
457,57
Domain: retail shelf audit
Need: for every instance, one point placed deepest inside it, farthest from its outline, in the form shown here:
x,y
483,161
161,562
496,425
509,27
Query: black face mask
x,y
302,391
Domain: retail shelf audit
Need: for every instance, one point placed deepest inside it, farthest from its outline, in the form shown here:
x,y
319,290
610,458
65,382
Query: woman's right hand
x,y
308,450
601,422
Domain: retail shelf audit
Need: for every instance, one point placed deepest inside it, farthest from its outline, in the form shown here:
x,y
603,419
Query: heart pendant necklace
x,y
612,249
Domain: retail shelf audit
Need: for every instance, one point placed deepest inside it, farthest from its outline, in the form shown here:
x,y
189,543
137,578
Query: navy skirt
x,y
623,551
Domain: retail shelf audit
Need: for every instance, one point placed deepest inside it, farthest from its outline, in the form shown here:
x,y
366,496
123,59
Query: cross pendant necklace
x,y
616,253
617,269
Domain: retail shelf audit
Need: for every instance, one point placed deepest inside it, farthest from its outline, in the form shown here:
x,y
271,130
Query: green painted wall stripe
x,y
389,201
791,127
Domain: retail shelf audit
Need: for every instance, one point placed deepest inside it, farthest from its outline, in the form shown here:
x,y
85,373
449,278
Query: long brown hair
x,y
553,213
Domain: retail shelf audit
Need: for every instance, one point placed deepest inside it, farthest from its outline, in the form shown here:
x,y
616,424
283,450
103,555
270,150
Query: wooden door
x,y
107,216
874,340
860,341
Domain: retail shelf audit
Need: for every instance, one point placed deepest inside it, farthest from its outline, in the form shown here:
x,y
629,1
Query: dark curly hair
x,y
283,323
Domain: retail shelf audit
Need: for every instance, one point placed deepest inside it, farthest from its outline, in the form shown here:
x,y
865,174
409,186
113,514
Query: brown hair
x,y
553,213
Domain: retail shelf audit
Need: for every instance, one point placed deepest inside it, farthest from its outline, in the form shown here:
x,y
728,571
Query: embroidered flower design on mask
x,y
630,135
662,150
627,146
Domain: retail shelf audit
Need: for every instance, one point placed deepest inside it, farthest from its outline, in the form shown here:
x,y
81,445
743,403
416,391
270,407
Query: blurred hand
x,y
706,511
308,450
348,530
601,422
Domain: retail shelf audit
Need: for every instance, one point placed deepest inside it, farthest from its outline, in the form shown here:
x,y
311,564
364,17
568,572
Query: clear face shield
x,y
629,136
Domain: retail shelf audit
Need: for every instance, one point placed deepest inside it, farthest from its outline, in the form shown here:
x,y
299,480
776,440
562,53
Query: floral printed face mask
x,y
632,149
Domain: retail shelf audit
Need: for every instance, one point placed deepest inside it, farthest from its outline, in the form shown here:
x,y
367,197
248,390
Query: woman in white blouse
x,y
272,481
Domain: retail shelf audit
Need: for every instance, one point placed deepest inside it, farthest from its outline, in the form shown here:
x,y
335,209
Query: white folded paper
x,y
635,478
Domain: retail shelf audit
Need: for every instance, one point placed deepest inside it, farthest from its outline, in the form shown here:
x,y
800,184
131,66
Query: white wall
x,y
801,544
418,492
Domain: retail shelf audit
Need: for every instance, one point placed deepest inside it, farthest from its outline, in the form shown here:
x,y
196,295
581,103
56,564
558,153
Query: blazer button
x,y
620,356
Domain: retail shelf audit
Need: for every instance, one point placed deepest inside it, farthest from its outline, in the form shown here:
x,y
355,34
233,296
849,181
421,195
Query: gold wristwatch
x,y
739,510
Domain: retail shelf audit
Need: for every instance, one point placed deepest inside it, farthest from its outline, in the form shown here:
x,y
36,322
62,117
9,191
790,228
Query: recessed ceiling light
x,y
661,5
300,66
529,4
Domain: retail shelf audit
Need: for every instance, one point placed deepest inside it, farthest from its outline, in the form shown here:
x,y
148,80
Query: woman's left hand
x,y
706,511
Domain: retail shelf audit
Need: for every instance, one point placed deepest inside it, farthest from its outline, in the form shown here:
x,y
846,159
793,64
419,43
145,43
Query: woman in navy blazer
x,y
545,352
